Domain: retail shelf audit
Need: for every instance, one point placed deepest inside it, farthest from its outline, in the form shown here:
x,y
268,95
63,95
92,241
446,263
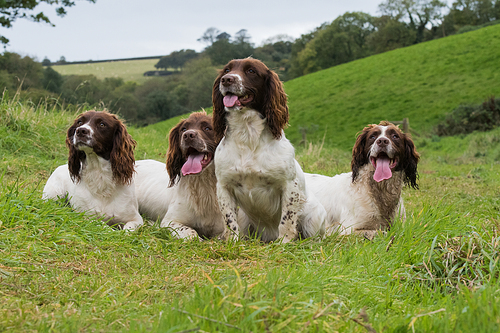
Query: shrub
x,y
469,118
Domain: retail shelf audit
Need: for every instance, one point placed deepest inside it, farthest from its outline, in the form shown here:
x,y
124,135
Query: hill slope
x,y
128,70
422,82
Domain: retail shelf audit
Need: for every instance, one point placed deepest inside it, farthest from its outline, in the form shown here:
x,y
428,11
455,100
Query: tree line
x,y
351,36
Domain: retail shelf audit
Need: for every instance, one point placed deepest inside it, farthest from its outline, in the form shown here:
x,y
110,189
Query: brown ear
x,y
75,157
122,155
219,113
359,155
410,163
175,161
275,105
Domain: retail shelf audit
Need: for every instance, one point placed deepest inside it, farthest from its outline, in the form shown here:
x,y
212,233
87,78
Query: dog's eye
x,y
102,124
207,129
395,136
79,122
184,129
251,71
373,137
226,70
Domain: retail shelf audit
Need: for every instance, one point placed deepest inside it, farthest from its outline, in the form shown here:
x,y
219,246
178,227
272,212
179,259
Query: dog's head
x,y
387,149
249,84
191,146
103,134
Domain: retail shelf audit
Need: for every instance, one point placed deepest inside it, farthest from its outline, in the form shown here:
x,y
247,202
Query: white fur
x,y
350,206
96,193
189,208
260,175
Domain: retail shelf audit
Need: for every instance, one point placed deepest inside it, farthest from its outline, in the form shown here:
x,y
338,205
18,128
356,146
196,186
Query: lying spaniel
x,y
184,199
369,198
98,176
254,163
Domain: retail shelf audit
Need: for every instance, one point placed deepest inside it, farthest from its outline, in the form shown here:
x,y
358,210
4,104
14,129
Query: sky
x,y
114,29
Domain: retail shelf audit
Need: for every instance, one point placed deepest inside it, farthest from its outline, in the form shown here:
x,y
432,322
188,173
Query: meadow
x,y
61,271
128,70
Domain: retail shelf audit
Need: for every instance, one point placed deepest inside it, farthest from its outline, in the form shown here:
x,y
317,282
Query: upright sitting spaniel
x,y
254,163
98,176
184,199
384,159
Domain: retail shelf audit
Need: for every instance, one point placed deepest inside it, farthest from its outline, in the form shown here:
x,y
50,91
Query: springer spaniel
x,y
369,198
98,176
185,199
254,163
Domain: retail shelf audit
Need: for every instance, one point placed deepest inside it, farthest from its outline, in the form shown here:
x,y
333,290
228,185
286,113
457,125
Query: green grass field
x,y
422,83
438,272
128,70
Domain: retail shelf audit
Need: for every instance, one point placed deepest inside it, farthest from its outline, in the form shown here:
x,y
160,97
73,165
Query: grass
x,y
61,271
128,70
422,83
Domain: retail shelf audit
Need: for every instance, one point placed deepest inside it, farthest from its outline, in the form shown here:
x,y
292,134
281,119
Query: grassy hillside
x,y
128,70
61,271
422,82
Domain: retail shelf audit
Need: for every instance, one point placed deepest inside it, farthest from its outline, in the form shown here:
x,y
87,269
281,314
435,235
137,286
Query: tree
x,y
52,80
176,59
209,36
46,62
12,10
222,49
390,34
419,13
472,12
345,39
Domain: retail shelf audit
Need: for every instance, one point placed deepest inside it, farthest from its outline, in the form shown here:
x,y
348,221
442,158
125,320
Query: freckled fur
x,y
354,201
254,162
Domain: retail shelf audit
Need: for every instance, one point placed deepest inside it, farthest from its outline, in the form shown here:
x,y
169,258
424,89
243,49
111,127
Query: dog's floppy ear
x,y
175,161
219,113
122,155
410,162
75,157
275,105
359,154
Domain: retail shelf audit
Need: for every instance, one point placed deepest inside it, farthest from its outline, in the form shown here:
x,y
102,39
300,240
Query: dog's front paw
x,y
131,226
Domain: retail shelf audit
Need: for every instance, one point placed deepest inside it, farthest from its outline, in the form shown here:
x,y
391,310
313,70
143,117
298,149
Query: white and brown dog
x,y
254,163
367,199
181,194
98,178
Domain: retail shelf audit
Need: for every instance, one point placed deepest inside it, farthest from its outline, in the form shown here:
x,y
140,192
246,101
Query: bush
x,y
469,118
52,80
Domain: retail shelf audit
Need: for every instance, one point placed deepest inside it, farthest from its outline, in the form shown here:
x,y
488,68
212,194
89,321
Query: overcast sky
x,y
111,29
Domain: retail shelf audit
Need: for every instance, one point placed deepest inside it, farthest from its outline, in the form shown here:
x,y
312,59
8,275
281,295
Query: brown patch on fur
x,y
405,152
110,141
270,98
201,125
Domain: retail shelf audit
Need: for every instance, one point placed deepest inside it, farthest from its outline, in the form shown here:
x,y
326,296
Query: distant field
x,y
128,70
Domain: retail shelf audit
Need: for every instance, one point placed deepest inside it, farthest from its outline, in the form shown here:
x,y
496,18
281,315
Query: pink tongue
x,y
193,164
231,100
383,171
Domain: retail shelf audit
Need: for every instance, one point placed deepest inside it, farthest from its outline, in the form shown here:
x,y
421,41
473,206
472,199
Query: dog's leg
x,y
134,224
229,210
182,231
292,203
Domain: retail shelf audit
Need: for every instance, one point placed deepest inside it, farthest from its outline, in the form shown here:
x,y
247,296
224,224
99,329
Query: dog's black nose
x,y
382,142
190,135
227,80
82,131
